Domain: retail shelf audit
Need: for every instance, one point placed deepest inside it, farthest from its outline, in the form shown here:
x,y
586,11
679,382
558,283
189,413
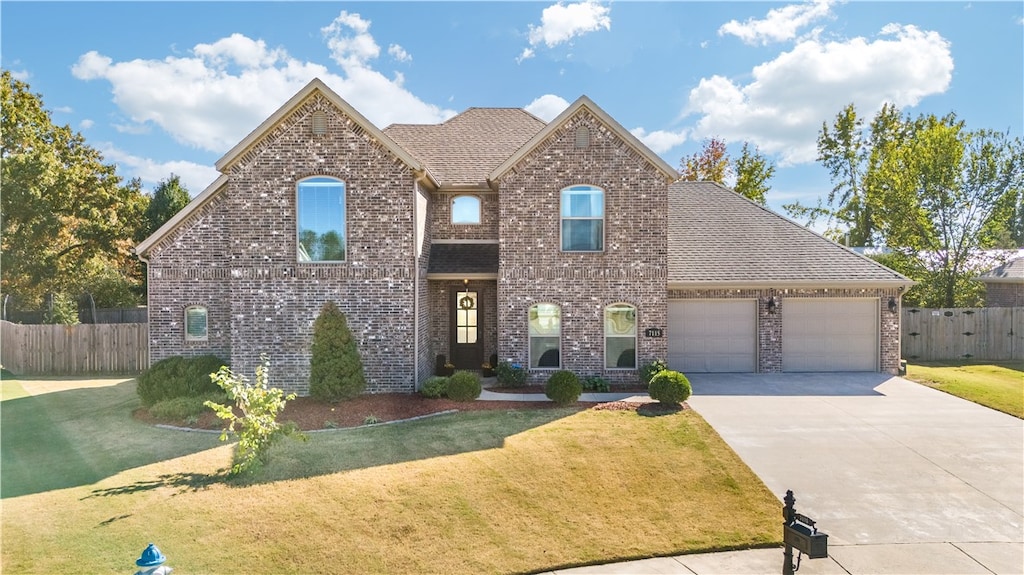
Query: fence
x,y
74,349
85,315
988,333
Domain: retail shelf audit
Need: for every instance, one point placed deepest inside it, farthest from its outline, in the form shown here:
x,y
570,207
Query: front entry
x,y
466,344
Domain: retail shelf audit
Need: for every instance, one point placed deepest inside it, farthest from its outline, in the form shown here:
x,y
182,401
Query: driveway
x,y
903,478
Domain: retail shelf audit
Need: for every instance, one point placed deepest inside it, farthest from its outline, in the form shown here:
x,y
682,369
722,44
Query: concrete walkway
x,y
903,478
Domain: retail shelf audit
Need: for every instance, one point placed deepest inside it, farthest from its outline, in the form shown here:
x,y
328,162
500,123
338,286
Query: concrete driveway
x,y
903,478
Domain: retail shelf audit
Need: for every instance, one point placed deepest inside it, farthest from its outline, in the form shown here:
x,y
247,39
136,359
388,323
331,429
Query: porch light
x,y
892,305
773,305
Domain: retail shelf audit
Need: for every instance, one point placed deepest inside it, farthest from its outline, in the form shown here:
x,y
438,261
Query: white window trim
x,y
206,323
298,244
529,338
479,210
636,336
561,218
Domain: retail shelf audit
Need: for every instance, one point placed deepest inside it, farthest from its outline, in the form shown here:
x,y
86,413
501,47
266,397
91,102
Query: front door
x,y
466,345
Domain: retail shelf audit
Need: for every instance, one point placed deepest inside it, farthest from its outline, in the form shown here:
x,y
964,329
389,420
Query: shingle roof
x,y
717,237
466,259
463,150
1010,272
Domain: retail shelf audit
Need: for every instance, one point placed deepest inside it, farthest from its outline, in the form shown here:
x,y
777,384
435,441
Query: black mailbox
x,y
806,539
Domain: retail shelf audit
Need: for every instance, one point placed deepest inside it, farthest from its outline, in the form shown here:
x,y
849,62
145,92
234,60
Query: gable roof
x,y
197,202
718,238
1011,272
462,151
584,103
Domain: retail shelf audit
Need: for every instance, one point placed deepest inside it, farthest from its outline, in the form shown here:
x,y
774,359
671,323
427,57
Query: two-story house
x,y
559,245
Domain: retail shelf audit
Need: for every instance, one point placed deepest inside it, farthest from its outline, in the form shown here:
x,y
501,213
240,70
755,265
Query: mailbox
x,y
806,539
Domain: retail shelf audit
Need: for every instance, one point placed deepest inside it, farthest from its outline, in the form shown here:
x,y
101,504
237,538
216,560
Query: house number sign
x,y
654,332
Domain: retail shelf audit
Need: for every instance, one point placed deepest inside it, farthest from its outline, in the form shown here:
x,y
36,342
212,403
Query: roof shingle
x,y
463,259
718,237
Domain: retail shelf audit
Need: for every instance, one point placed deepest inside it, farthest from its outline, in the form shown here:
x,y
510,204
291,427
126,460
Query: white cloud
x,y
64,109
660,141
398,53
21,75
86,124
782,108
547,107
560,23
194,176
211,97
779,25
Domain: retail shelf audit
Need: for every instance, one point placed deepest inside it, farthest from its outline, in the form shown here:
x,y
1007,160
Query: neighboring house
x,y
1004,285
566,245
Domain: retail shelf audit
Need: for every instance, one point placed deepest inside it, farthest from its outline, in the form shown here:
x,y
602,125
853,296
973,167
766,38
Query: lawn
x,y
85,488
996,385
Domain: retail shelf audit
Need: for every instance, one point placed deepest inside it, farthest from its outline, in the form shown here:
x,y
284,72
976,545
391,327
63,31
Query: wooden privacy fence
x,y
986,333
74,349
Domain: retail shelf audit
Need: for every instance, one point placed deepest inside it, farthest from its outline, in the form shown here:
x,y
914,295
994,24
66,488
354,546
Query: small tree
x,y
335,369
257,428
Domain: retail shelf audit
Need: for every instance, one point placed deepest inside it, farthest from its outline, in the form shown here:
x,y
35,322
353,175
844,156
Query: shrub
x,y
596,383
434,387
63,309
178,377
563,387
335,368
184,407
669,387
510,374
651,369
464,386
257,427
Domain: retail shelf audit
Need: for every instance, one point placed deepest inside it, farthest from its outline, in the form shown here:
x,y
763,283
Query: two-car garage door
x,y
818,334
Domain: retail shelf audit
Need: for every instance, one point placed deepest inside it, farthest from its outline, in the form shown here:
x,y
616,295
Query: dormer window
x,y
466,210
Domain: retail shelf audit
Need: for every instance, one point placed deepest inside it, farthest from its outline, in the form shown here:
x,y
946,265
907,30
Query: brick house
x,y
560,245
1004,285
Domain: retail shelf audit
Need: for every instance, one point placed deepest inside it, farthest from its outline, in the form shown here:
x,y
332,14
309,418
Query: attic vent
x,y
583,137
319,123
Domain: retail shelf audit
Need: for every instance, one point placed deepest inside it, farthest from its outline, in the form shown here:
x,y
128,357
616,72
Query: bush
x,y
178,377
563,387
669,387
651,369
257,427
335,368
183,407
596,383
464,386
510,374
434,387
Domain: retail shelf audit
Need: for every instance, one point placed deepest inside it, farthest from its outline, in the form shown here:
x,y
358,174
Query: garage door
x,y
829,334
712,335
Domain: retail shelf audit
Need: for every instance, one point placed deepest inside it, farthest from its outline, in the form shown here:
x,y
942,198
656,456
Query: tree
x,y
710,164
335,368
753,171
168,199
66,214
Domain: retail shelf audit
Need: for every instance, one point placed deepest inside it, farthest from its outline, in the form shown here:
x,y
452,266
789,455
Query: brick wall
x,y
631,269
441,218
1004,294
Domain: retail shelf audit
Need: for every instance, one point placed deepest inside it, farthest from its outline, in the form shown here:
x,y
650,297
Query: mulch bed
x,y
309,414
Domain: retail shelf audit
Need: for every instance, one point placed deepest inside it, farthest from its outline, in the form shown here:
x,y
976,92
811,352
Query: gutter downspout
x,y
415,289
149,285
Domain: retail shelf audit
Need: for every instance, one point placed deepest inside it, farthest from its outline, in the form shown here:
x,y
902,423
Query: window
x,y
545,335
620,336
321,220
195,323
582,219
466,210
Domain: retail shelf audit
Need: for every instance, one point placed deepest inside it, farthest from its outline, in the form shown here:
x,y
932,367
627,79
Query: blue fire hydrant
x,y
151,562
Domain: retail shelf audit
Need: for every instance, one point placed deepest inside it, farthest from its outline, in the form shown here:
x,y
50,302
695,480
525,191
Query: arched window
x,y
545,336
582,219
320,211
195,323
466,210
620,336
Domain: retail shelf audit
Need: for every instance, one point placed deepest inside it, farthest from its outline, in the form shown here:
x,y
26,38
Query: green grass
x,y
474,492
996,385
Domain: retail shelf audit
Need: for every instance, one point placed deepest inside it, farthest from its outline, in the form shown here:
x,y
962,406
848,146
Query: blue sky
x,y
170,86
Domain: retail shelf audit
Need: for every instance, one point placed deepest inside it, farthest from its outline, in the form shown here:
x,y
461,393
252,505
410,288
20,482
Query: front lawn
x,y
996,385
473,492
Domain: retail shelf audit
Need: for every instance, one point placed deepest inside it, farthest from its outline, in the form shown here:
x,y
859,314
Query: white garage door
x,y
829,334
712,335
